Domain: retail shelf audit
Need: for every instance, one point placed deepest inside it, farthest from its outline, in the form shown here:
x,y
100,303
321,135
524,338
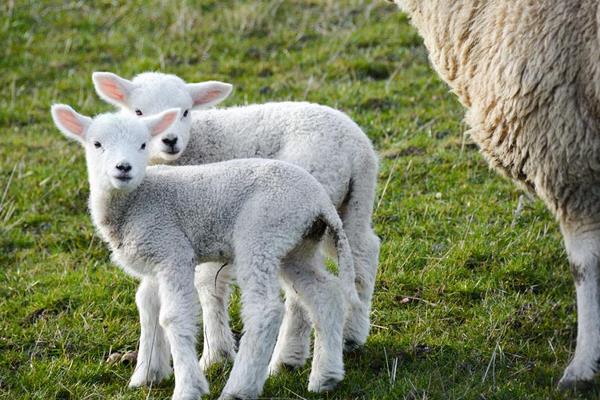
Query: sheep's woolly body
x,y
321,140
265,217
206,205
254,214
529,74
332,148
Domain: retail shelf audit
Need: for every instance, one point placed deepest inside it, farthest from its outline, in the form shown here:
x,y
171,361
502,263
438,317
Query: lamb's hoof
x,y
192,391
325,383
235,396
287,361
144,377
351,345
567,384
355,338
276,368
576,378
209,359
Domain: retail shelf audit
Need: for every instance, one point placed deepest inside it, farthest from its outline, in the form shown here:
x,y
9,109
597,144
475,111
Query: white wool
x,y
323,141
264,217
529,75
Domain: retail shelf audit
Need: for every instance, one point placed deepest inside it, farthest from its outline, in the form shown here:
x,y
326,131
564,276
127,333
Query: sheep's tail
x,y
344,253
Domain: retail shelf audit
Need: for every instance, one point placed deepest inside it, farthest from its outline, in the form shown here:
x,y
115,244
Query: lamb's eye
x,y
143,146
185,113
97,145
138,112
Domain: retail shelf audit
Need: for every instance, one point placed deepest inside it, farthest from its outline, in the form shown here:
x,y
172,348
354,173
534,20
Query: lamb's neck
x,y
108,209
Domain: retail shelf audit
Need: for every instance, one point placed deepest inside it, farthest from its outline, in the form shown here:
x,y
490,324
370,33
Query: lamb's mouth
x,y
123,178
171,152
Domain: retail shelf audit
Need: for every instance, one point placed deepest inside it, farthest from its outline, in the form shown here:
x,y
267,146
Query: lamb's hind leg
x,y
261,313
365,252
356,213
154,357
293,343
583,250
213,282
313,289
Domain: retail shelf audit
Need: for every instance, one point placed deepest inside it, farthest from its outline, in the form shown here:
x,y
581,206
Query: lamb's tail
x,y
344,253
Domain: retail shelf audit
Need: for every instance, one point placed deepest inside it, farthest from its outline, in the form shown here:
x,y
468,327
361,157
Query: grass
x,y
472,300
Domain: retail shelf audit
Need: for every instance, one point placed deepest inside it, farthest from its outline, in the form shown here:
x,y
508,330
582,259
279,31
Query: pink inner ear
x,y
111,89
70,122
164,123
207,97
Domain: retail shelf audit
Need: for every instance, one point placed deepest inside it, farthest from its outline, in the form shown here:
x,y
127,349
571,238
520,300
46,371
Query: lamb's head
x,y
116,145
151,93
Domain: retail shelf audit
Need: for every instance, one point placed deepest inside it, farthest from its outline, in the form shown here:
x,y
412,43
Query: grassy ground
x,y
472,300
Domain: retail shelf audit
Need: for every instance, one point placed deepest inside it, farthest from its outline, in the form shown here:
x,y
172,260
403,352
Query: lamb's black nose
x,y
124,167
170,142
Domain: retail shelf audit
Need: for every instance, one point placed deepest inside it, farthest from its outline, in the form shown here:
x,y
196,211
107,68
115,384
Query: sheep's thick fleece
x,y
529,74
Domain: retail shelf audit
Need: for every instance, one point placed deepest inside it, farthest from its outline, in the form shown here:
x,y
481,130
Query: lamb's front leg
x,y
154,356
583,250
213,282
262,311
179,317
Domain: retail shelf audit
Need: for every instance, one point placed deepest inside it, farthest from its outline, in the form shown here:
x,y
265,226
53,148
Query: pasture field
x,y
474,299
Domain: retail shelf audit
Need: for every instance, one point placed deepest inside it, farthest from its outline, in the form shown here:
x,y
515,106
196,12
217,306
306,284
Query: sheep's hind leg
x,y
321,295
261,313
356,214
583,250
365,253
293,343
213,282
154,357
179,317
364,245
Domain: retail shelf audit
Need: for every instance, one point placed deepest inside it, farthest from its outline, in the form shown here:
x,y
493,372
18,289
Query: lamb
x,y
529,75
266,217
319,139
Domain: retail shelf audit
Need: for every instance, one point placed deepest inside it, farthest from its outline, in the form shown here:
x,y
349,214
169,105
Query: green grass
x,y
472,301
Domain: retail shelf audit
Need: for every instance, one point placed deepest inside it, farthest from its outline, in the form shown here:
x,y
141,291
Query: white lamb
x,y
323,141
265,217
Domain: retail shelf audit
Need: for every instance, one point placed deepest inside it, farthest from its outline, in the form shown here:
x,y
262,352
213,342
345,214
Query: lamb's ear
x,y
72,124
206,94
112,88
159,123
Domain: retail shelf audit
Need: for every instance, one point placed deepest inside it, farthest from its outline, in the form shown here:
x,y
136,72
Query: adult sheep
x,y
529,75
